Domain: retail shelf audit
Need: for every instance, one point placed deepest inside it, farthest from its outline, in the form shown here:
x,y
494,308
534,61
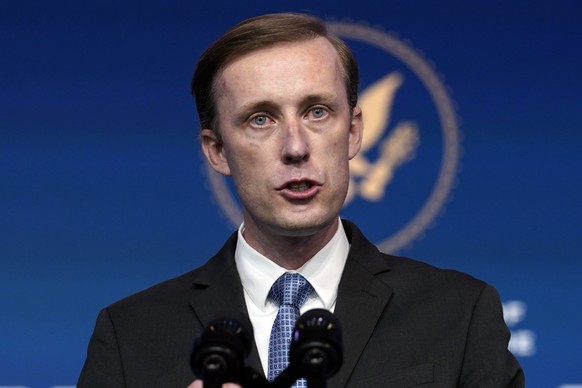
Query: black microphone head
x,y
219,352
316,343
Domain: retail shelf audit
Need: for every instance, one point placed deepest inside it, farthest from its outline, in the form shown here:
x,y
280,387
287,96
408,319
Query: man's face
x,y
287,134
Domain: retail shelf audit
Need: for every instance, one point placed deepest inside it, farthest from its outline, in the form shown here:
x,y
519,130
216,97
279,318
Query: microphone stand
x,y
314,368
315,363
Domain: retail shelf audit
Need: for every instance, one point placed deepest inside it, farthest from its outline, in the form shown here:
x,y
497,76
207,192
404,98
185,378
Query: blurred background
x,y
103,190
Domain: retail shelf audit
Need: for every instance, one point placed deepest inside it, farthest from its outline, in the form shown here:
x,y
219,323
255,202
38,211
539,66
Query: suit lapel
x,y
362,297
218,293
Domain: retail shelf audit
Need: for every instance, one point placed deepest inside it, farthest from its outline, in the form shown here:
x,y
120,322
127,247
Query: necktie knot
x,y
291,289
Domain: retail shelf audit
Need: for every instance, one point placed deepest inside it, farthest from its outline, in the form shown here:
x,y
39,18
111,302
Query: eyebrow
x,y
247,109
269,106
324,98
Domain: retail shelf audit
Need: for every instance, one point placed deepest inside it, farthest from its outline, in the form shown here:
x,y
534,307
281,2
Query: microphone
x,y
316,350
219,353
316,353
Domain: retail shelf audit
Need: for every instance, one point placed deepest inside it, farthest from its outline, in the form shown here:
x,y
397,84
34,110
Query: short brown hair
x,y
255,34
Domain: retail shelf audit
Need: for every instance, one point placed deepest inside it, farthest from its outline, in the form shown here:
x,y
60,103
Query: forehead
x,y
287,68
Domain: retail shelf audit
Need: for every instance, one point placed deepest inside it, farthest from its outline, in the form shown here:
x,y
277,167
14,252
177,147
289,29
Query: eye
x,y
318,113
259,120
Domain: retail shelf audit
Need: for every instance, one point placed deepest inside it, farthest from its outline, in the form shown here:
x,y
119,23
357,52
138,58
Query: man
x,y
277,96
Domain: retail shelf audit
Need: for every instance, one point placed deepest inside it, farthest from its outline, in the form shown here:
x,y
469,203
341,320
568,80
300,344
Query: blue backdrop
x,y
103,191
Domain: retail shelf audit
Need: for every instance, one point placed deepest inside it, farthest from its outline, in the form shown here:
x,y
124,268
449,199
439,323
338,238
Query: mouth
x,y
300,189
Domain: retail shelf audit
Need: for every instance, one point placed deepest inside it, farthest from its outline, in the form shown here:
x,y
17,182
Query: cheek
x,y
337,152
338,163
248,169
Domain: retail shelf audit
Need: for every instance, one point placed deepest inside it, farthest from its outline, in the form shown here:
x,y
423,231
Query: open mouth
x,y
298,187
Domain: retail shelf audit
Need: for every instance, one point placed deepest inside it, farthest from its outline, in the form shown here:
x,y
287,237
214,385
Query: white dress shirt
x,y
258,273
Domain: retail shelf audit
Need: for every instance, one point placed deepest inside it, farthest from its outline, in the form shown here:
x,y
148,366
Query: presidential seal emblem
x,y
407,167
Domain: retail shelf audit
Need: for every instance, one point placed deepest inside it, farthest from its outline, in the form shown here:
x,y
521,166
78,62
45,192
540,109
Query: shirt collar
x,y
323,271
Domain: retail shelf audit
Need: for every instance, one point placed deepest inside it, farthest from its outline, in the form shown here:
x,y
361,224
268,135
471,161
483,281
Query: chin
x,y
304,226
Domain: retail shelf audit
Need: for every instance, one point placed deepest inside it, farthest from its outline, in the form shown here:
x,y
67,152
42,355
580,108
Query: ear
x,y
356,132
214,151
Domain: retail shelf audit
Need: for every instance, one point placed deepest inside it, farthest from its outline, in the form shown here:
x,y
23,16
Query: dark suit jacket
x,y
404,323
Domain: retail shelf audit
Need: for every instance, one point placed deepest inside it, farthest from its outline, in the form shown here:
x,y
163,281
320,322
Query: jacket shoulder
x,y
177,290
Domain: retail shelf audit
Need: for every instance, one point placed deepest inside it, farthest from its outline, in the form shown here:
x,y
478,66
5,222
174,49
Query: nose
x,y
295,147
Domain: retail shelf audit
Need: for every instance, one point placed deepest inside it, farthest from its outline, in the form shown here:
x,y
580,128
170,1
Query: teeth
x,y
299,186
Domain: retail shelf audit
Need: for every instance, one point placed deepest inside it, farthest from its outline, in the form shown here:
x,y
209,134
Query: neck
x,y
290,251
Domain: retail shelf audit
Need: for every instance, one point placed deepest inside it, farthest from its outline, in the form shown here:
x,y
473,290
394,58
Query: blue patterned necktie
x,y
291,290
